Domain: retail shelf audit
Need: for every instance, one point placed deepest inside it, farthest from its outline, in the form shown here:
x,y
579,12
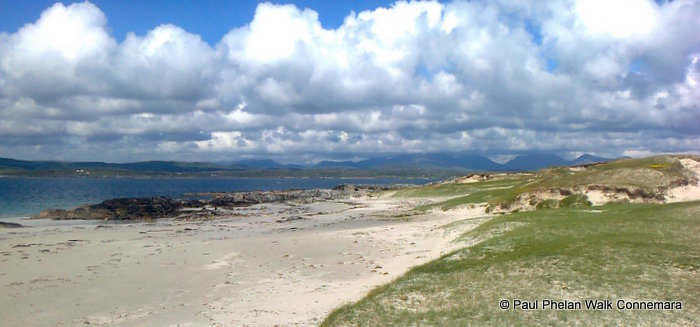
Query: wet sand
x,y
273,264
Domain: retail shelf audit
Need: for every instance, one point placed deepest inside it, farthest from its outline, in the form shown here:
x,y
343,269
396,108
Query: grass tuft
x,y
575,201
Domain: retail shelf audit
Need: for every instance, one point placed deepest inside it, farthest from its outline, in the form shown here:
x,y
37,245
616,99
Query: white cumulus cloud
x,y
605,77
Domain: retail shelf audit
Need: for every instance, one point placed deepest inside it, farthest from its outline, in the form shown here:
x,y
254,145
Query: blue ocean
x,y
26,196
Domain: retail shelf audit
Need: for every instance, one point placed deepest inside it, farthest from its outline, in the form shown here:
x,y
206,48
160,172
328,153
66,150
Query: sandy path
x,y
263,265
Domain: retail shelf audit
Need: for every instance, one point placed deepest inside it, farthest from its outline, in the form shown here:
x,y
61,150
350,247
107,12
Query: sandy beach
x,y
263,265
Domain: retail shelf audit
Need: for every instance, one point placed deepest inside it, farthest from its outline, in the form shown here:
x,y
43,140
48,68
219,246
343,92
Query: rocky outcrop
x,y
120,209
163,207
238,199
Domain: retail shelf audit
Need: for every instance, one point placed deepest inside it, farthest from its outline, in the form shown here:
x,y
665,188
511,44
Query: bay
x,y
26,196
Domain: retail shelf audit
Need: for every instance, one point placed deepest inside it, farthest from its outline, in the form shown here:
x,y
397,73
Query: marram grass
x,y
618,251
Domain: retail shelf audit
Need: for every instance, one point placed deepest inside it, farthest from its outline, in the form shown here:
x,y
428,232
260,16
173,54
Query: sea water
x,y
27,196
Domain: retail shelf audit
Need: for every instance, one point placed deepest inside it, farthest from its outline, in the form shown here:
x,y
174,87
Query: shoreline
x,y
204,205
264,264
34,195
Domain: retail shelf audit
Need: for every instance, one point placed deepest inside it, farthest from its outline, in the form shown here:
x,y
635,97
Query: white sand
x,y
246,269
689,192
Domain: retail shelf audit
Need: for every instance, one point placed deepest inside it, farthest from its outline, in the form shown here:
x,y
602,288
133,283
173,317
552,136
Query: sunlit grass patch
x,y
454,189
630,251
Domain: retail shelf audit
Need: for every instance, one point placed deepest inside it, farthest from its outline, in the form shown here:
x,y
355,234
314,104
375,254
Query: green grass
x,y
648,174
483,196
575,201
457,189
647,177
627,251
459,194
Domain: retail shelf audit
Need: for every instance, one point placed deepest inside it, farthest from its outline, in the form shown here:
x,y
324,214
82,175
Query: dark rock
x,y
163,207
138,208
10,225
288,219
120,209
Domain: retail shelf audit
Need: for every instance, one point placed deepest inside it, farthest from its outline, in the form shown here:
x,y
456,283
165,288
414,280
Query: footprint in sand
x,y
225,261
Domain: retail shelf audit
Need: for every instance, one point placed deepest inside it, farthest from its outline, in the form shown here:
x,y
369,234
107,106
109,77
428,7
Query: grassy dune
x,y
649,174
648,178
452,195
633,252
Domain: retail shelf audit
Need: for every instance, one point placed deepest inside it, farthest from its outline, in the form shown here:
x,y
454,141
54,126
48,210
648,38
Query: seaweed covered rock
x,y
120,209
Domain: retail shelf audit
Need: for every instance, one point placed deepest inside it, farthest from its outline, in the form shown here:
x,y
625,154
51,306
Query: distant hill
x,y
337,164
434,161
266,164
403,164
144,166
425,161
478,163
28,165
469,162
535,161
587,159
260,163
167,166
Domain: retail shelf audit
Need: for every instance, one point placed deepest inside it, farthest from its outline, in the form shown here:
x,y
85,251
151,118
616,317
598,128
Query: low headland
x,y
447,253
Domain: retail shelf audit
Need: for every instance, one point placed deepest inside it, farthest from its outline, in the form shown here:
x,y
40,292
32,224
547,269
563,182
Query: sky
x,y
305,81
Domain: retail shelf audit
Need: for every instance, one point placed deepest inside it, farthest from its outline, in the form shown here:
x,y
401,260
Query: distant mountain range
x,y
406,163
264,164
526,162
165,166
